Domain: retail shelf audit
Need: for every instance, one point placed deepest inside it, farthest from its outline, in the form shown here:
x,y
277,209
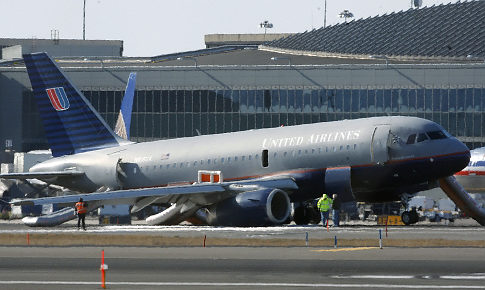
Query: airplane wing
x,y
41,175
199,193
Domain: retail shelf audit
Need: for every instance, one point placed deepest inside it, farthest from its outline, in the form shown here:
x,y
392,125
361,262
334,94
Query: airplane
x,y
246,178
472,176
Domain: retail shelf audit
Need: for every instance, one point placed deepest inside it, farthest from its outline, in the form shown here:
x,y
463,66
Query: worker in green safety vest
x,y
324,205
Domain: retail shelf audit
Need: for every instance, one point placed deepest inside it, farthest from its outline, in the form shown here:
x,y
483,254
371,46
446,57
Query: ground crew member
x,y
324,204
336,211
81,210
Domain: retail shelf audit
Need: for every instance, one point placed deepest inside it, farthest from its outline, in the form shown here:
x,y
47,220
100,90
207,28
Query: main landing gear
x,y
408,217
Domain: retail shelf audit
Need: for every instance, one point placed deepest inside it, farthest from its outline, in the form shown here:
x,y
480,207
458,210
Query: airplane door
x,y
379,151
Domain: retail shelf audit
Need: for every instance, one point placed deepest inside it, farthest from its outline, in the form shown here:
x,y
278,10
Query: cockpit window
x,y
422,137
436,135
411,139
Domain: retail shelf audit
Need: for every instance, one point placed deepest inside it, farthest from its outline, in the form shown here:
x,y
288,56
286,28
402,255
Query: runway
x,y
242,268
174,266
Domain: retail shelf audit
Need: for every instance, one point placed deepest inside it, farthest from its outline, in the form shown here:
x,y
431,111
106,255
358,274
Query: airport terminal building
x,y
427,62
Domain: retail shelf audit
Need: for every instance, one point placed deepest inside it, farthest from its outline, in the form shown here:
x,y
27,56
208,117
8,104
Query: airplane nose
x,y
463,154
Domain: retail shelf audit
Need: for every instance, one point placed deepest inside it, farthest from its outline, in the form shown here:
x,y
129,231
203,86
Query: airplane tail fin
x,y
71,124
123,123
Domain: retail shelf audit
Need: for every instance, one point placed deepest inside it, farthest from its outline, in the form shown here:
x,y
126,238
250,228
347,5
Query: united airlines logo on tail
x,y
58,98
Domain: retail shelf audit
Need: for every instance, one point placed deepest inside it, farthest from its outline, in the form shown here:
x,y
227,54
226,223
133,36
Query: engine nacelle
x,y
253,208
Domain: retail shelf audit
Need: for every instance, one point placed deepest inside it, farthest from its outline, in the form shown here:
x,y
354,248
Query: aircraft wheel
x,y
406,218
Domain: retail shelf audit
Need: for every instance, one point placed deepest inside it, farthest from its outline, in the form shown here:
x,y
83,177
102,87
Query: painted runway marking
x,y
374,277
347,249
475,276
471,276
222,284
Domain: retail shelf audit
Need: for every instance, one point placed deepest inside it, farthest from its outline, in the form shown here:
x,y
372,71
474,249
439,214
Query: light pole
x,y
276,58
84,20
325,15
188,58
265,24
346,14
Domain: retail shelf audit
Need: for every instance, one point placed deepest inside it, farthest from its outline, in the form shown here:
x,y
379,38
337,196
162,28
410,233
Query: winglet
x,y
71,124
123,123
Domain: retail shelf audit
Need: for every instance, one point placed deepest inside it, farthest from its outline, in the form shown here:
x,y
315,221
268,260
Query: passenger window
x,y
235,158
411,139
436,135
243,158
422,137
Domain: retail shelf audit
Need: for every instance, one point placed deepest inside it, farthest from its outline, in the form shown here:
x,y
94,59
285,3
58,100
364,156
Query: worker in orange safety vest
x,y
81,210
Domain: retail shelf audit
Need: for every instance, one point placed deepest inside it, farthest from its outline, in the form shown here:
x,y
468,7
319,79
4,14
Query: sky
x,y
154,27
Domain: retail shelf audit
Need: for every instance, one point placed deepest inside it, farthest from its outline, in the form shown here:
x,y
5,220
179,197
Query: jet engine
x,y
252,208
